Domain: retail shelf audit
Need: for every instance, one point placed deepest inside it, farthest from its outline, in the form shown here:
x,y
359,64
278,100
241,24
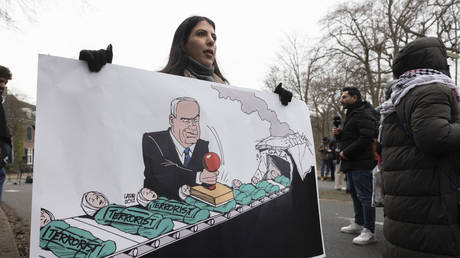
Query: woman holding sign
x,y
193,54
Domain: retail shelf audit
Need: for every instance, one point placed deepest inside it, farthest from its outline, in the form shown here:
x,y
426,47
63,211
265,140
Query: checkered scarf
x,y
410,80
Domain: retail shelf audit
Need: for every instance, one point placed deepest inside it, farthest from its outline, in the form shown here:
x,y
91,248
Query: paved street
x,y
18,197
336,211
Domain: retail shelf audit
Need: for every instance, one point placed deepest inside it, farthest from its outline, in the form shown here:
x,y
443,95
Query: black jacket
x,y
357,136
164,172
5,135
421,212
421,156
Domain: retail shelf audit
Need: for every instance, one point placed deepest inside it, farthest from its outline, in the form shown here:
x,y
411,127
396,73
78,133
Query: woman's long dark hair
x,y
177,57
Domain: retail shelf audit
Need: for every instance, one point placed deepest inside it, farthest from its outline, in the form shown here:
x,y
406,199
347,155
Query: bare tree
x,y
410,19
296,67
12,11
448,29
400,15
355,31
360,42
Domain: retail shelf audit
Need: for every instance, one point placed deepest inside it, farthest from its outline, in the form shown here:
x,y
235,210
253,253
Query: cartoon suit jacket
x,y
164,172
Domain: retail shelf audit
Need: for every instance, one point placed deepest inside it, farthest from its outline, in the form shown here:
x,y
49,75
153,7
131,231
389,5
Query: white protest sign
x,y
106,184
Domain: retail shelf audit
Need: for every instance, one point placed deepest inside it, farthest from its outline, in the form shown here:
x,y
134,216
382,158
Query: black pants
x,y
331,165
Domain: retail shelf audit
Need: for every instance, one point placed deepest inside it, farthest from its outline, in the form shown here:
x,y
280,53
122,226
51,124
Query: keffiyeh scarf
x,y
410,80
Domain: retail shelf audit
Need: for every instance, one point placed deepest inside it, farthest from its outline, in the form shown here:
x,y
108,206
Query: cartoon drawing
x,y
64,240
266,186
181,195
155,218
245,193
284,181
284,147
291,149
131,220
173,157
145,195
173,209
224,208
186,189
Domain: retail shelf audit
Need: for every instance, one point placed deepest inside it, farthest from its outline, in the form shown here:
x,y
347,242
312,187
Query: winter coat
x,y
357,136
5,135
421,162
323,150
421,212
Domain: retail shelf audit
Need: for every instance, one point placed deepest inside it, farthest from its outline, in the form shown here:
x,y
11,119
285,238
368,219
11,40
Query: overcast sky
x,y
249,33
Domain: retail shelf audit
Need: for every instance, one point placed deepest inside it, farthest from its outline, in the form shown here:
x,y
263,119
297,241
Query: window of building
x,y
29,156
29,133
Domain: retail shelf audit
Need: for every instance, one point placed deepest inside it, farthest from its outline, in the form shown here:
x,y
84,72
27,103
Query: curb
x,y
7,244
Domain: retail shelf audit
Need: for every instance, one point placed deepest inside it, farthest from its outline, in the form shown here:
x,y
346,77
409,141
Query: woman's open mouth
x,y
209,53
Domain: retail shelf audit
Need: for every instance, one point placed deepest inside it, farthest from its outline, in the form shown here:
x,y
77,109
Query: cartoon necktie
x,y
187,156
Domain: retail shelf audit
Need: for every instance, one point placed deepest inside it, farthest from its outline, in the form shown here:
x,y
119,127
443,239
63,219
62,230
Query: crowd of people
x,y
415,137
418,129
418,132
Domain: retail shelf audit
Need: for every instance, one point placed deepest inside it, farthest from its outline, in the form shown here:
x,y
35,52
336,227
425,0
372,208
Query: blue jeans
x,y
360,186
330,163
324,163
2,179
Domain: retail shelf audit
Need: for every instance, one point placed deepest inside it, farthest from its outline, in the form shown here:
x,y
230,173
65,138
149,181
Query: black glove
x,y
285,95
96,59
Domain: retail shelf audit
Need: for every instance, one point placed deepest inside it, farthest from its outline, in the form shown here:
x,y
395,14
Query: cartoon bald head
x,y
185,120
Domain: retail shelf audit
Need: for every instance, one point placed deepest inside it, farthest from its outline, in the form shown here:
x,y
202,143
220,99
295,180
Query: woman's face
x,y
201,44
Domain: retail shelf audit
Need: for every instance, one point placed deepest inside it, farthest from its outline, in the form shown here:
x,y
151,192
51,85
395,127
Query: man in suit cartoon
x,y
173,157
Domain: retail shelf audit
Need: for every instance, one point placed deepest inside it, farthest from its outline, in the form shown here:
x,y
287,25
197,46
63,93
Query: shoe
x,y
344,188
366,237
353,228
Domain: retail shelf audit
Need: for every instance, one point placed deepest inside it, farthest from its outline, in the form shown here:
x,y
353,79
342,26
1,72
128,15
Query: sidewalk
x,y
15,218
326,191
7,244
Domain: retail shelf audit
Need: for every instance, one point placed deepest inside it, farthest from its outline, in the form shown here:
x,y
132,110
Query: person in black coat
x,y
5,136
421,155
356,139
173,158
